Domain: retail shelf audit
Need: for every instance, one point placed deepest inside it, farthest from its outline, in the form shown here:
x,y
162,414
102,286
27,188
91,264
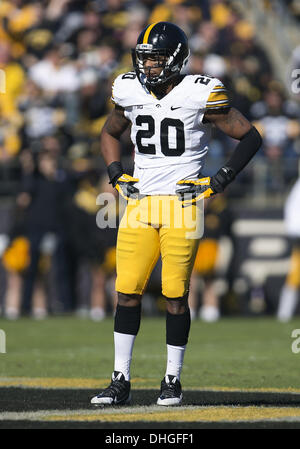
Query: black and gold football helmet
x,y
168,45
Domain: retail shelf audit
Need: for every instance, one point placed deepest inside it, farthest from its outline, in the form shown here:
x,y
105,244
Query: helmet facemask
x,y
170,63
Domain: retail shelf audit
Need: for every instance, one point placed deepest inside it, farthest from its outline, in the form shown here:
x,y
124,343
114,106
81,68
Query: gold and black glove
x,y
197,189
122,182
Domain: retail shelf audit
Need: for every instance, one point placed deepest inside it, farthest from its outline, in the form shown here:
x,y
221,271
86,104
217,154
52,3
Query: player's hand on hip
x,y
125,186
191,191
122,182
195,190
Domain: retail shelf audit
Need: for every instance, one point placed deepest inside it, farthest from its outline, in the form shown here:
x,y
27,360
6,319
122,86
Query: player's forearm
x,y
235,125
113,128
245,150
111,152
110,148
243,153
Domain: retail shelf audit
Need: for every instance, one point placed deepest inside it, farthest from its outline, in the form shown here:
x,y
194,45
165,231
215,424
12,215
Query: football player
x,y
171,116
289,295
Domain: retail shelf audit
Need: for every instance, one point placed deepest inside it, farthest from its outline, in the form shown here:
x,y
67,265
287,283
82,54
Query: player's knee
x,y
129,285
174,289
129,300
177,306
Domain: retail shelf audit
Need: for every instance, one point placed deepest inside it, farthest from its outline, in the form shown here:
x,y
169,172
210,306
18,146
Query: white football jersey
x,y
169,137
292,211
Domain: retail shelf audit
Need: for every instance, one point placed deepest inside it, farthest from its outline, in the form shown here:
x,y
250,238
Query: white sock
x,y
193,313
209,314
287,303
123,353
175,356
97,313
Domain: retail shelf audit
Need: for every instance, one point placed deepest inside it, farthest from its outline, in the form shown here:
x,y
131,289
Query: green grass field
x,y
241,353
235,361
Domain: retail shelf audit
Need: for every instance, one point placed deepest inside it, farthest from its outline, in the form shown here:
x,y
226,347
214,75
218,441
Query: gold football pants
x,y
293,277
158,226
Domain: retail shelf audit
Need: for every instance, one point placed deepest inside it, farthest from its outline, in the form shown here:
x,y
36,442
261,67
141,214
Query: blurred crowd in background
x,y
60,58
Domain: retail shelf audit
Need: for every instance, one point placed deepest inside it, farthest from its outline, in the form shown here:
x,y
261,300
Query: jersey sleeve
x,y
218,97
123,90
115,98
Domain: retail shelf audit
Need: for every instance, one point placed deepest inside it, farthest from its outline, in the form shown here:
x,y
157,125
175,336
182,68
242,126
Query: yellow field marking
x,y
137,383
248,390
61,382
201,414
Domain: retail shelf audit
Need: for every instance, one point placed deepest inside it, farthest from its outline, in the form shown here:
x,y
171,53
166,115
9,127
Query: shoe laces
x,y
115,387
170,381
171,384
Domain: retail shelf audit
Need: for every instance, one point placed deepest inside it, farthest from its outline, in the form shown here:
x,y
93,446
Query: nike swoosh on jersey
x,y
173,109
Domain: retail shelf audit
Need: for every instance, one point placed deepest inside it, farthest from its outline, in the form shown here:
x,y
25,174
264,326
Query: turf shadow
x,y
18,399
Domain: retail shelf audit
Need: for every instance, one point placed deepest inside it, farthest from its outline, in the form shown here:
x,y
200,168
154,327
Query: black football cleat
x,y
170,391
117,393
